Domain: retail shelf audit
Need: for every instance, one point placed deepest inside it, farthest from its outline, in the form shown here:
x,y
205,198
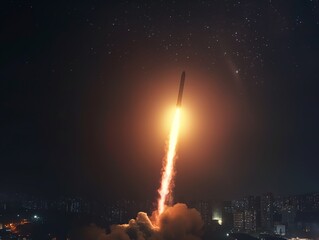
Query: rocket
x,y
181,89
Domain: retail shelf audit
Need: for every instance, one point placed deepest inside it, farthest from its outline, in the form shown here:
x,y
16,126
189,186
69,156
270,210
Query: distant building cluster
x,y
285,216
19,214
112,211
295,215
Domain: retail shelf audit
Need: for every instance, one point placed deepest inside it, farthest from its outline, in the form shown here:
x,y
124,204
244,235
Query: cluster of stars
x,y
244,32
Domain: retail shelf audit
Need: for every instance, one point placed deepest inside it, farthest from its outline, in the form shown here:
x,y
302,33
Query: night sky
x,y
88,88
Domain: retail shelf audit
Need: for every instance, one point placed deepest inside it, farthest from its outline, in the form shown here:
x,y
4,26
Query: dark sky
x,y
87,89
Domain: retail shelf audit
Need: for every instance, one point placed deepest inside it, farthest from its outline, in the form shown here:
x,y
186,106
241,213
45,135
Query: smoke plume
x,y
176,223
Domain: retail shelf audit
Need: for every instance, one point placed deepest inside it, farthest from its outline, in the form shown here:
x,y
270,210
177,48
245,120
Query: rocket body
x,y
181,89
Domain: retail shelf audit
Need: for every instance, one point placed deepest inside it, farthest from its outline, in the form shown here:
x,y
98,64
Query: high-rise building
x,y
252,205
289,218
250,220
238,221
206,211
204,208
278,204
267,212
238,205
227,215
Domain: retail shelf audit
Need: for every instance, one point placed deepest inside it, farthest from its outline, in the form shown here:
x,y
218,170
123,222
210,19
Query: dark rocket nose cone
x,y
181,89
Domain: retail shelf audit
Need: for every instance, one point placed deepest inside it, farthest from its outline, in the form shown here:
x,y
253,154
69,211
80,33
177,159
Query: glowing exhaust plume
x,y
168,167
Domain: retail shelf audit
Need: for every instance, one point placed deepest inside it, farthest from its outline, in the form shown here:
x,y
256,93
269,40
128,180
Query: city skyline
x,y
267,216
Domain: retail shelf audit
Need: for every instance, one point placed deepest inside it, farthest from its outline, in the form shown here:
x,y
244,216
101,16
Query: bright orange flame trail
x,y
168,168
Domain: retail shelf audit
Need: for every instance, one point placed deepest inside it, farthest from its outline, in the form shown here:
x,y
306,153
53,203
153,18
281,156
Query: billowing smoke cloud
x,y
180,223
176,223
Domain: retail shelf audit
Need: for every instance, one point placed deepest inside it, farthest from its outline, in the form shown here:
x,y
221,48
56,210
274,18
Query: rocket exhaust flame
x,y
167,222
168,171
169,162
